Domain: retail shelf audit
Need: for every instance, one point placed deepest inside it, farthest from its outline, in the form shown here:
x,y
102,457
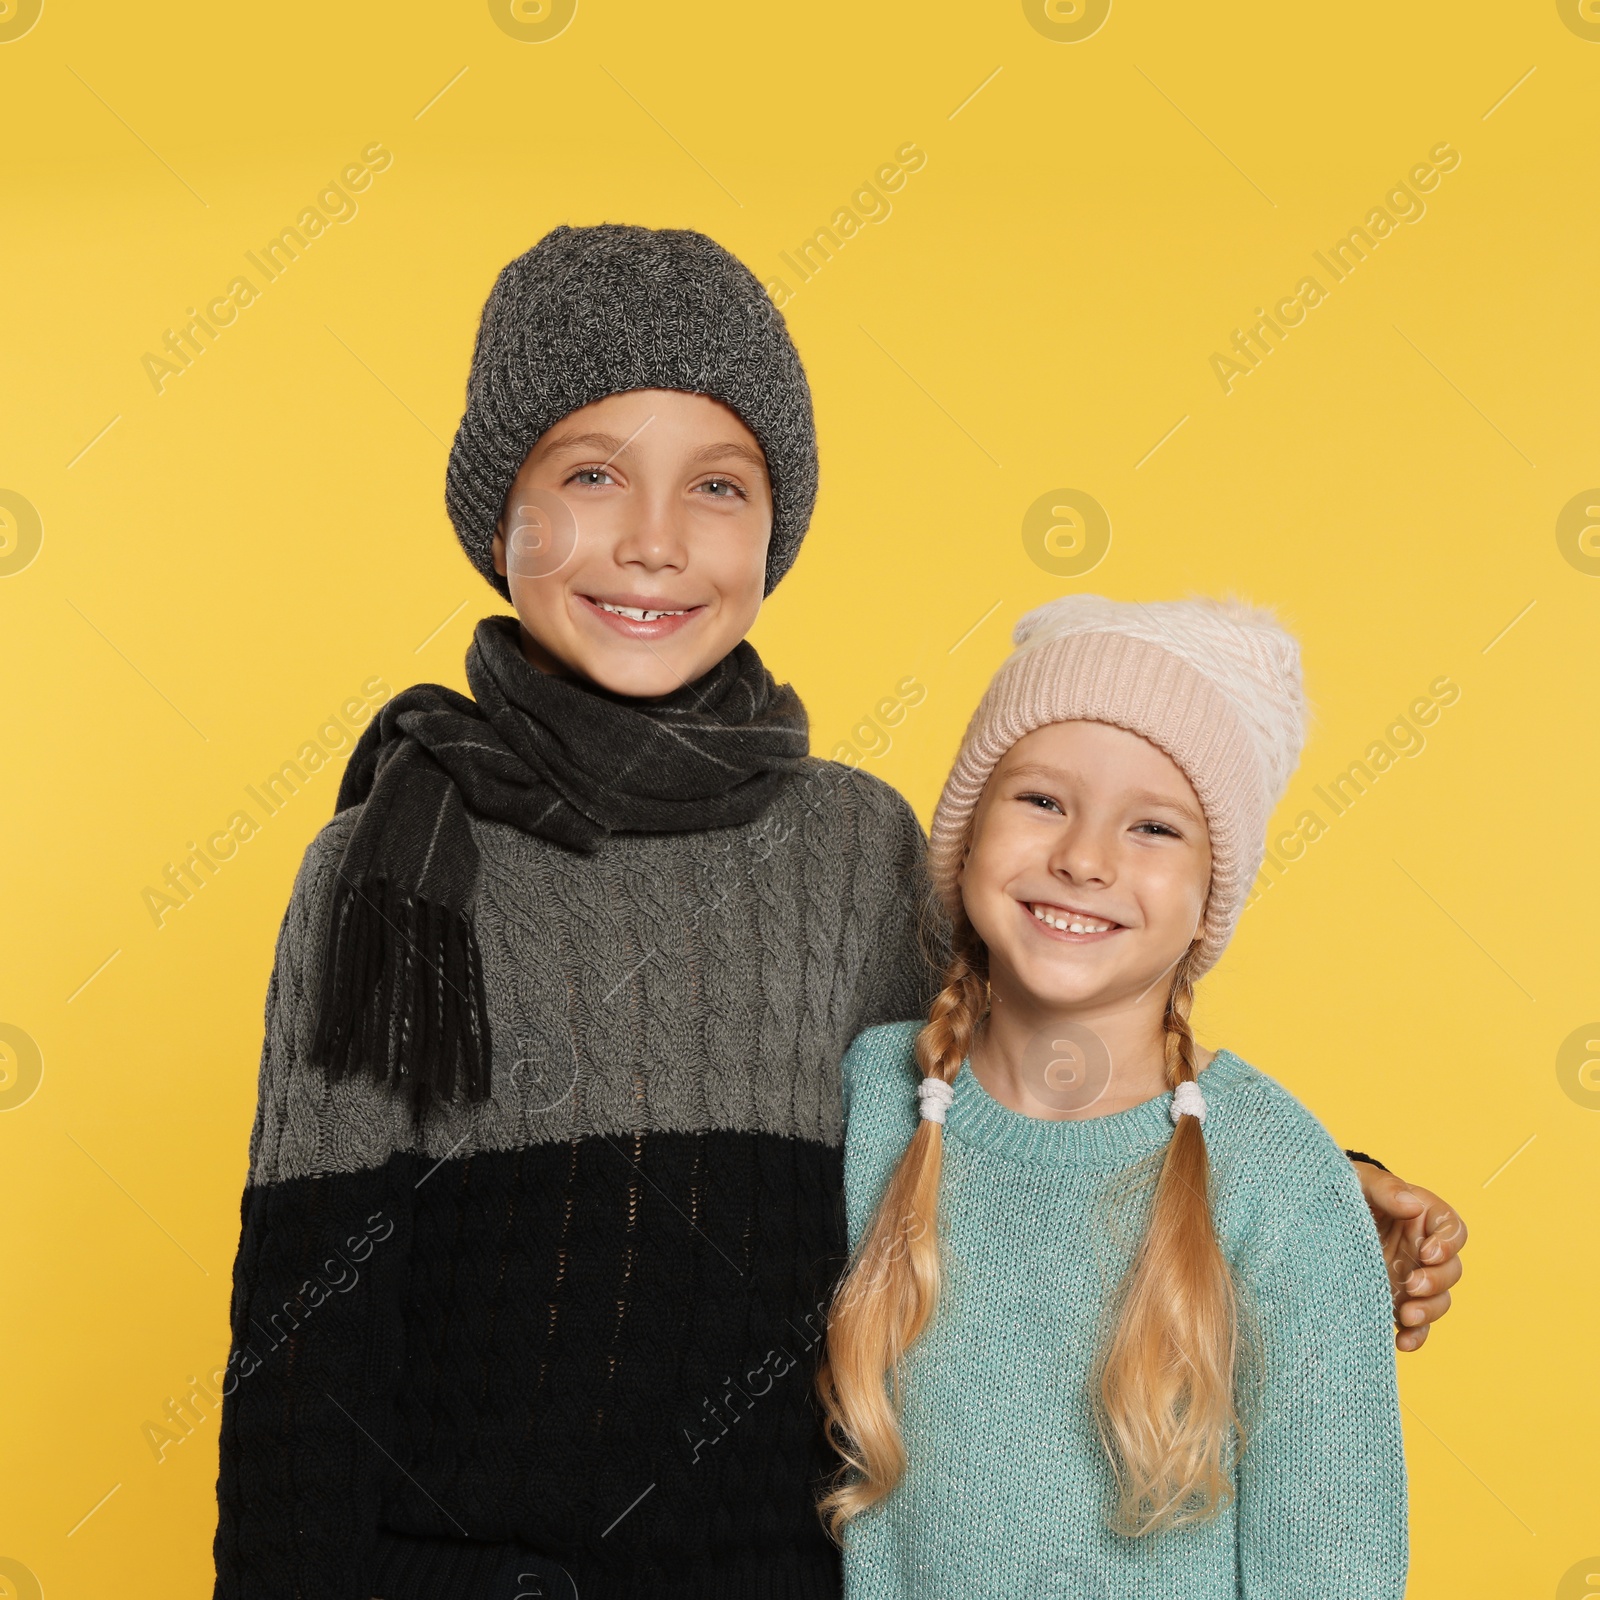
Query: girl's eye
x,y
723,489
591,477
1038,801
1158,828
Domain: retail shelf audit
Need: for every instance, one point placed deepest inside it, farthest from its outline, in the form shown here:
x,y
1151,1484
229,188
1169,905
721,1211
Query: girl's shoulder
x,y
880,1067
1257,1112
879,1075
1274,1165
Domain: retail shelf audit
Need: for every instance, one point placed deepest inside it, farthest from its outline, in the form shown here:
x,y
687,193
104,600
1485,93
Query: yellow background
x,y
236,555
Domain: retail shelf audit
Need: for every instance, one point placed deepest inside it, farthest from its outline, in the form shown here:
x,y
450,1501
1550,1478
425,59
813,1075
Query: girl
x,y
1116,1321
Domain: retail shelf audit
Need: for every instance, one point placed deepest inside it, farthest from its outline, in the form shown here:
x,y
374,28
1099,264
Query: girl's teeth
x,y
1080,925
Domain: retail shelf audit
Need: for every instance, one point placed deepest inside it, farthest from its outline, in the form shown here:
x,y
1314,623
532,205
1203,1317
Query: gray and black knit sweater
x,y
579,1318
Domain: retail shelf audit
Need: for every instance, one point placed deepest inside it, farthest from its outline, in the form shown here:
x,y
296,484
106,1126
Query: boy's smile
x,y
639,616
638,540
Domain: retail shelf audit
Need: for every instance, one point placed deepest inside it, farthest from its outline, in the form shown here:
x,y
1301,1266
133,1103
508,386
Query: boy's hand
x,y
1422,1239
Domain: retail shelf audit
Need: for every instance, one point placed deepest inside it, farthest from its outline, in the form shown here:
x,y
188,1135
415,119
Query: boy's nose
x,y
654,539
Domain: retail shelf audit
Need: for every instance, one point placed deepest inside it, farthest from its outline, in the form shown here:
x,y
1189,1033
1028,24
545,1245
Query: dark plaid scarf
x,y
402,993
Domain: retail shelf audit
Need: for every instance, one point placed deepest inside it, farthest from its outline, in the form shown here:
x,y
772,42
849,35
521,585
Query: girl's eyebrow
x,y
1149,797
1142,797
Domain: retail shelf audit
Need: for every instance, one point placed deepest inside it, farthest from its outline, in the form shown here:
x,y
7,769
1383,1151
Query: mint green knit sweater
x,y
1007,1489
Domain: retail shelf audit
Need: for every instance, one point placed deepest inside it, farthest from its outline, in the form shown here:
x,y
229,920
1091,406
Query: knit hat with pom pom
x,y
1213,683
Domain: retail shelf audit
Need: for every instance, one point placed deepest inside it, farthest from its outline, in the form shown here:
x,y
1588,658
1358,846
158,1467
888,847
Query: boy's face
x,y
652,501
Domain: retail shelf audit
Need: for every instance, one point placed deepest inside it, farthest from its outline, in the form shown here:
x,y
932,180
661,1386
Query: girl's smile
x,y
1070,924
1086,875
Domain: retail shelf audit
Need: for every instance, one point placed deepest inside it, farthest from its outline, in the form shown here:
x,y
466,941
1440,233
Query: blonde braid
x,y
890,1293
1167,1375
1178,1038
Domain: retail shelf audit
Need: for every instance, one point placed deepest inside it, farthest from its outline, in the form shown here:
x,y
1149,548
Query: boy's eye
x,y
722,489
591,477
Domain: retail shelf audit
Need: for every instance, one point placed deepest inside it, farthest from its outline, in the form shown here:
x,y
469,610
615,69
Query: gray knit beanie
x,y
589,312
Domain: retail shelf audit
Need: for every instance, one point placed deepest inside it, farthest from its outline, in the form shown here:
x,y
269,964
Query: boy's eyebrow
x,y
608,442
613,446
730,447
1147,797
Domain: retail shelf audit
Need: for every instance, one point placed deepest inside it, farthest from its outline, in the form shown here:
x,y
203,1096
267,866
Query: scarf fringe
x,y
403,997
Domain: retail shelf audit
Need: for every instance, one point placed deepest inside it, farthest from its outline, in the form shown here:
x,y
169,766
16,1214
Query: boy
x,y
544,1197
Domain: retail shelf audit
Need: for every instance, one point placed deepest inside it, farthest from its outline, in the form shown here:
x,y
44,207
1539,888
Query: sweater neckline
x,y
976,1118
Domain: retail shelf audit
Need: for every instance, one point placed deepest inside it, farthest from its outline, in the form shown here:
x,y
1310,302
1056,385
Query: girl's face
x,y
634,540
1083,825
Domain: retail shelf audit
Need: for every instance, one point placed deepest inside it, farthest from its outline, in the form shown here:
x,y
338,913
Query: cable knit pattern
x,y
576,1321
1008,1489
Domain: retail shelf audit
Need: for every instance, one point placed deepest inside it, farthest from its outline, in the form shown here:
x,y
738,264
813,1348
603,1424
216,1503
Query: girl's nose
x,y
1083,855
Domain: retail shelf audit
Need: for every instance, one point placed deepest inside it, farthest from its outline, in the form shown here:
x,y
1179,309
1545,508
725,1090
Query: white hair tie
x,y
1187,1101
935,1095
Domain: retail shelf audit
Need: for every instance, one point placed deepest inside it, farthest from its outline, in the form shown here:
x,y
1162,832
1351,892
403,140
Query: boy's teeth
x,y
636,613
1071,924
